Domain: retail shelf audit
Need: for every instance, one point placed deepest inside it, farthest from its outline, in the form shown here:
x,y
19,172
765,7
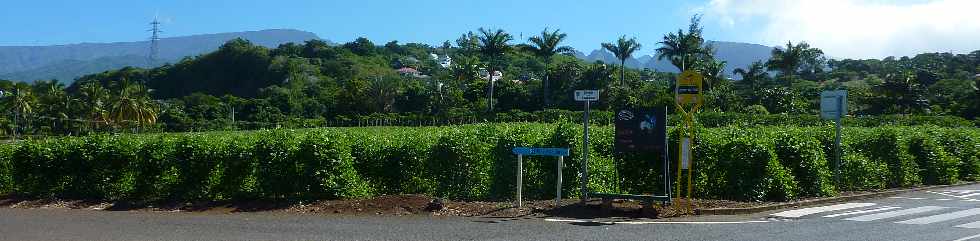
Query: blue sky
x,y
846,28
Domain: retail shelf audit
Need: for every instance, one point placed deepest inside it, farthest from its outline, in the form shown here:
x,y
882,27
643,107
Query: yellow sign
x,y
688,89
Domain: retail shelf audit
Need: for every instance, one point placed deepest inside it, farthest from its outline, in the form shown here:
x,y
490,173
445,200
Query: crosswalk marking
x,y
969,225
892,214
814,210
970,195
861,211
943,217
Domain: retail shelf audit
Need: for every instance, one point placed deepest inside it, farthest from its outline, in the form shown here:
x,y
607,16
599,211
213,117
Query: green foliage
x,y
935,165
890,146
474,162
6,181
802,153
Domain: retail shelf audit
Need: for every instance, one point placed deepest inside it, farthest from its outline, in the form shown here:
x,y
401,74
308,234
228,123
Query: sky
x,y
842,28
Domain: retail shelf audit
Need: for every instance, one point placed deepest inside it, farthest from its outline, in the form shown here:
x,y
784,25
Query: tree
x,y
795,59
493,44
623,49
545,47
753,79
133,105
22,103
96,107
686,50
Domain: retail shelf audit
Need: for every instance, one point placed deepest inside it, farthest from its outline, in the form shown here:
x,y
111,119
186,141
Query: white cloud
x,y
856,28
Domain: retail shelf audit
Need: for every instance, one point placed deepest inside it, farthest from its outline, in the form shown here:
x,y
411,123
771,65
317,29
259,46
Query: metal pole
x,y
561,161
666,153
840,112
520,176
585,155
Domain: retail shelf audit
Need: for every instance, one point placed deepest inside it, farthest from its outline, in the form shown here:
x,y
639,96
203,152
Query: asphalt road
x,y
948,214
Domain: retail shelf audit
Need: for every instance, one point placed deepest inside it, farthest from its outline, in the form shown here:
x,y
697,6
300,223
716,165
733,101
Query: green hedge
x,y
475,162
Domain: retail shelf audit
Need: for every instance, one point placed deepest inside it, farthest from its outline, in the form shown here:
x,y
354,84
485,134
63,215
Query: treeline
x,y
242,85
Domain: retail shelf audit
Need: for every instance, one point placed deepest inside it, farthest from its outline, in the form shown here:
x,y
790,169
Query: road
x,y
944,214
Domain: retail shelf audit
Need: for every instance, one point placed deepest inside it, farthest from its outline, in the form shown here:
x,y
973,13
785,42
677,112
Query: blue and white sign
x,y
833,104
528,151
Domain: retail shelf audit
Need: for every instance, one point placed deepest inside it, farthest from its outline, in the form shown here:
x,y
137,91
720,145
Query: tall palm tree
x,y
714,73
793,58
21,102
546,46
754,77
133,105
493,44
96,99
623,49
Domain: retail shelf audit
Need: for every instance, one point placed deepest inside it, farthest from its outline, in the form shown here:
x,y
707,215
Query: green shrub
x,y
327,168
890,146
6,181
278,168
936,167
802,153
462,162
965,147
860,173
475,162
754,171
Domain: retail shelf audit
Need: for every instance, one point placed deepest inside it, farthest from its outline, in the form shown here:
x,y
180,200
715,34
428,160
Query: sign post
x,y
527,151
586,96
833,106
688,100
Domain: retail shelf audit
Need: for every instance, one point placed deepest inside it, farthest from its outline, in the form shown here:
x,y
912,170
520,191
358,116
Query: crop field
x,y
474,162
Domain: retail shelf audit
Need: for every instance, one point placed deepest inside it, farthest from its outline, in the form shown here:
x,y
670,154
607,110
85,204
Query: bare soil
x,y
395,205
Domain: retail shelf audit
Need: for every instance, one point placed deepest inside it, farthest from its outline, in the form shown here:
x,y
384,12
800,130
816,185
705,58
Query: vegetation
x,y
473,162
245,86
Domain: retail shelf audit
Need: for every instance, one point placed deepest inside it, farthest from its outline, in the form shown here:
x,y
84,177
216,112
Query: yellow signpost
x,y
688,101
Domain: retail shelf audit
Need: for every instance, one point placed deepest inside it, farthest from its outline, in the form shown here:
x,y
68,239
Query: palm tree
x,y
133,105
21,102
714,73
623,49
96,98
791,60
685,49
545,47
754,77
493,44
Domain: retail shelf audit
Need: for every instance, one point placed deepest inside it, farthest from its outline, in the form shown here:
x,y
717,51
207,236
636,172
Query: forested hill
x,y
67,62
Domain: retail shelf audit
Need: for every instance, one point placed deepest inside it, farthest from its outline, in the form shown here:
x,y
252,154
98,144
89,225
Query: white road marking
x,y
968,238
645,222
950,195
892,214
814,210
944,199
909,198
942,217
970,195
861,211
969,225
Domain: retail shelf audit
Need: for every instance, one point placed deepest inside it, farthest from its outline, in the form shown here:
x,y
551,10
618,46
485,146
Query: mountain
x,y
66,62
738,55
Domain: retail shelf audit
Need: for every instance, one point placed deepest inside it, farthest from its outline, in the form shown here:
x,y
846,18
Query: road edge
x,y
818,201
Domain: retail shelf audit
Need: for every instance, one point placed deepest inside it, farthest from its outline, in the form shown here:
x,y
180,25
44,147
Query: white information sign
x,y
833,104
686,153
586,95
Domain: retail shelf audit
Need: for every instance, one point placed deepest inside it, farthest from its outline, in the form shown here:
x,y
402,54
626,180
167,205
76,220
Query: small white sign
x,y
686,153
833,104
586,95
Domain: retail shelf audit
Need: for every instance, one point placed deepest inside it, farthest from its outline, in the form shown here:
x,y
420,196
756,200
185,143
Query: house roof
x,y
407,70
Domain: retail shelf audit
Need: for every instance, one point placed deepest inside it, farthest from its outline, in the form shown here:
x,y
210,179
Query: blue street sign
x,y
528,151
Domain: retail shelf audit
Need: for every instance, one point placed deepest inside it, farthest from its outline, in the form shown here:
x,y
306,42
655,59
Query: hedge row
x,y
474,162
